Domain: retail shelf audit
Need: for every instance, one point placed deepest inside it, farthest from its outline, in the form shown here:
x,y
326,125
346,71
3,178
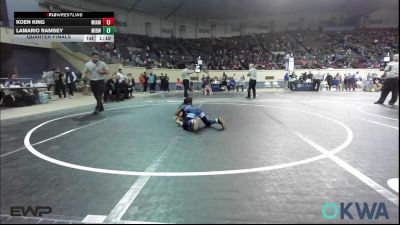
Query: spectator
x,y
19,97
346,82
241,83
59,79
146,82
351,82
13,81
162,82
329,80
178,84
154,82
316,49
151,82
286,81
231,85
203,83
337,81
369,85
70,80
131,82
141,81
120,75
124,85
340,79
377,86
112,92
356,79
309,77
207,88
166,84
317,81
224,82
48,76
369,76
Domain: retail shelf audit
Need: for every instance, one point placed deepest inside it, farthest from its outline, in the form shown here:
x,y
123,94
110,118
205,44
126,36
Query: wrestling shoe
x,y
221,121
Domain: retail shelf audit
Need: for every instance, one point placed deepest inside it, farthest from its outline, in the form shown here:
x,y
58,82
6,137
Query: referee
x,y
186,77
96,71
391,83
253,80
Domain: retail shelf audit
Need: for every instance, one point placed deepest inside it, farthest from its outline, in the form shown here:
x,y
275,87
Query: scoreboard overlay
x,y
64,26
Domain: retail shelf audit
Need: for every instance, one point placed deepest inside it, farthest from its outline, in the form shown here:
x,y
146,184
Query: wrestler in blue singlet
x,y
190,113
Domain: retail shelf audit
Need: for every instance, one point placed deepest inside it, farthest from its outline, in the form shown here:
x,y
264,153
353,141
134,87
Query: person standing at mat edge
x,y
253,80
186,77
391,83
96,71
70,78
59,79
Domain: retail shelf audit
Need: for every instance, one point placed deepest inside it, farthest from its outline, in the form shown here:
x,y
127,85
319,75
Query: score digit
x,y
108,21
108,30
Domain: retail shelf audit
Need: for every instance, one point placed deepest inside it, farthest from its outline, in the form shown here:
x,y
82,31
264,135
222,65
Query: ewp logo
x,y
35,211
376,211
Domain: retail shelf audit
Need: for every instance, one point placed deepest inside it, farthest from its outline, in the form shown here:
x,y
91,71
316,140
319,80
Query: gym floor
x,y
281,157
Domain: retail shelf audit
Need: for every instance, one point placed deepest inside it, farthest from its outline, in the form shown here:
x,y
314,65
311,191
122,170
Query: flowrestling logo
x,y
355,210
